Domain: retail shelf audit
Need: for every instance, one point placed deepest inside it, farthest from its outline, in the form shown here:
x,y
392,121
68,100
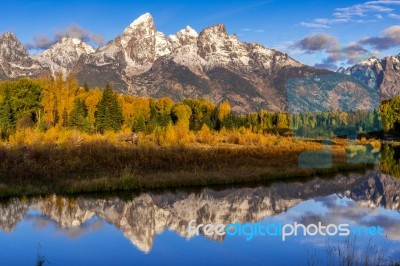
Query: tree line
x,y
61,102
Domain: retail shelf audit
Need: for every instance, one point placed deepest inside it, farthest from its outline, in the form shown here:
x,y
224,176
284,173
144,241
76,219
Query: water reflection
x,y
390,160
147,215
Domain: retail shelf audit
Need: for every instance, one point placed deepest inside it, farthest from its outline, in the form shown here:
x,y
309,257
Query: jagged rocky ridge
x,y
63,55
15,61
142,61
149,214
381,73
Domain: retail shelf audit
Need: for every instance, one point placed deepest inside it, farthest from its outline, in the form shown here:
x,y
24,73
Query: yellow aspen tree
x,y
223,110
164,106
126,103
204,135
283,121
92,101
141,108
169,137
49,103
182,113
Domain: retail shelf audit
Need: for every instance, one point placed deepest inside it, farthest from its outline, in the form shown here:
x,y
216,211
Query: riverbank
x,y
99,166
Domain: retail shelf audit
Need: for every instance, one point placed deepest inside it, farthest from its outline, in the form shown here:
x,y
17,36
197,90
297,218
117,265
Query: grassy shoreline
x,y
105,166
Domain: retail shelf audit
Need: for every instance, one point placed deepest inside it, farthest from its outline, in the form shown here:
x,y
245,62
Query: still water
x,y
151,228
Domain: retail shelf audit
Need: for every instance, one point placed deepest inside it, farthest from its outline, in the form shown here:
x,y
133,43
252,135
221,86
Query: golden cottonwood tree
x,y
92,100
223,110
127,108
49,102
141,108
182,113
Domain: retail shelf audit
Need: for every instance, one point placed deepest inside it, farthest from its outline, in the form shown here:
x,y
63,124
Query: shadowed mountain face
x,y
149,214
381,73
142,61
15,61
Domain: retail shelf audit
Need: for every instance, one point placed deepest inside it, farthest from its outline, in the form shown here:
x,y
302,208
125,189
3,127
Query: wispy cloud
x,y
360,10
42,42
359,13
314,25
395,16
326,21
253,30
384,2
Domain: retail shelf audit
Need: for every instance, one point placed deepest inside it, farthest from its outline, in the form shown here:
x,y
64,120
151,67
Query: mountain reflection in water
x,y
147,215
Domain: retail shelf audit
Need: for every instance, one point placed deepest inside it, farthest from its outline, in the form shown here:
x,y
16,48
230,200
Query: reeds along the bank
x,y
70,162
73,153
350,252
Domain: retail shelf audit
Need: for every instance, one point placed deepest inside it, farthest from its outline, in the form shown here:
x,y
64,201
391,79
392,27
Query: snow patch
x,y
140,20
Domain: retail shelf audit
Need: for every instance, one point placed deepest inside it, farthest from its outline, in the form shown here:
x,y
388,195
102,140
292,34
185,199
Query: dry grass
x,y
73,163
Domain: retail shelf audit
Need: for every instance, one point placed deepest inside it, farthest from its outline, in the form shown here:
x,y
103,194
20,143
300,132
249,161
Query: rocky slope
x,y
382,73
63,55
217,66
212,65
15,61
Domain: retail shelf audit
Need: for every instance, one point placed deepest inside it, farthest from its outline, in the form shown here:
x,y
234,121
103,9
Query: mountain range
x,y
211,64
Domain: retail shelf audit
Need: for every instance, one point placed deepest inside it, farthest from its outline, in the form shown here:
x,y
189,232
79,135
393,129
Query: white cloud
x,y
395,16
384,2
359,13
42,42
253,30
314,25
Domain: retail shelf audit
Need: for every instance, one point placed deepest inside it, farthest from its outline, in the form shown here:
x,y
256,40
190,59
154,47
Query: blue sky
x,y
326,33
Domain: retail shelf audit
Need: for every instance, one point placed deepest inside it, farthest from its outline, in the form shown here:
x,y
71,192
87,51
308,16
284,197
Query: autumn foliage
x,y
44,110
51,109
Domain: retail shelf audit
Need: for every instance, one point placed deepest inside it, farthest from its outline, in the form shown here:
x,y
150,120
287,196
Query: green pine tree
x,y
79,115
6,116
109,113
86,87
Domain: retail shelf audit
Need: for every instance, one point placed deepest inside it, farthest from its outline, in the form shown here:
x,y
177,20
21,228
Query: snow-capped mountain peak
x,y
9,44
370,61
161,44
144,26
143,19
64,54
384,74
183,37
74,43
138,44
15,60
